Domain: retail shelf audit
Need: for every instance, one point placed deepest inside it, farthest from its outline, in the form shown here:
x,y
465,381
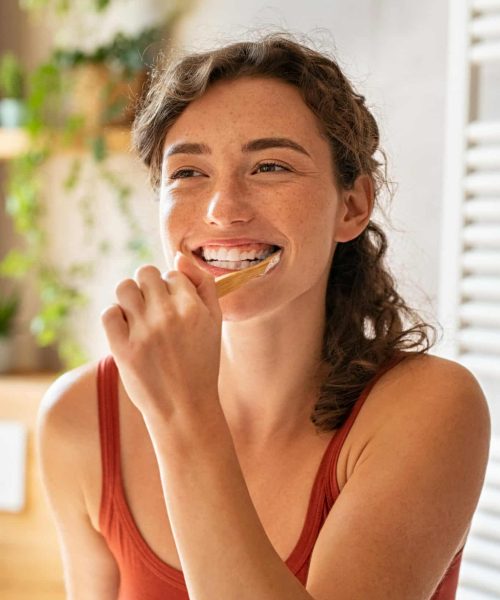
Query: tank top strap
x,y
109,433
341,435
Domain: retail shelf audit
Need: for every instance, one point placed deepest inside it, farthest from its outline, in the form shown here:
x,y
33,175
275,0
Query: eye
x,y
185,174
271,167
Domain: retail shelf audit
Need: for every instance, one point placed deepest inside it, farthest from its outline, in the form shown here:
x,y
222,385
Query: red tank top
x,y
142,573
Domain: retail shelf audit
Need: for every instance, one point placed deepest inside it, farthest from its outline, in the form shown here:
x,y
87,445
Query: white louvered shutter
x,y
480,570
469,295
469,287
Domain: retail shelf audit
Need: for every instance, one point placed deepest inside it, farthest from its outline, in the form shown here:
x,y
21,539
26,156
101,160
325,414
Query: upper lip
x,y
230,242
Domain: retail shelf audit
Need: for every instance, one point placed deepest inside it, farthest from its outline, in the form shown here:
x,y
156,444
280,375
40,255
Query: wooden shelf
x,y
30,566
28,377
14,142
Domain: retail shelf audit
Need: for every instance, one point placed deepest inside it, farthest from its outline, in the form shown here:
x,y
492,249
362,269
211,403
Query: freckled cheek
x,y
176,220
305,216
312,232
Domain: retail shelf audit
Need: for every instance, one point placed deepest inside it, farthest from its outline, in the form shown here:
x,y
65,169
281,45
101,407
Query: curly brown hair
x,y
365,316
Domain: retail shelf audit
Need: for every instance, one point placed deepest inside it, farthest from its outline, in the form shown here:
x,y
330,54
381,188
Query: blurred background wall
x,y
31,44
396,52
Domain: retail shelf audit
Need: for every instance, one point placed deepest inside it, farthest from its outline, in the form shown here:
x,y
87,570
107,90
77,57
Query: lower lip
x,y
218,271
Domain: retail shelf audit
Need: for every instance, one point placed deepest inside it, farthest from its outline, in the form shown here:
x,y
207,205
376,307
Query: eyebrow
x,y
273,142
188,148
253,146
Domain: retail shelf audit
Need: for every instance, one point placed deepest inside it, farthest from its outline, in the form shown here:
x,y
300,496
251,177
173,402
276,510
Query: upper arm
x,y
403,512
90,570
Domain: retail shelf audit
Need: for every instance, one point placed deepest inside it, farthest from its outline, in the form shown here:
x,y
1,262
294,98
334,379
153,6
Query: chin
x,y
242,311
242,305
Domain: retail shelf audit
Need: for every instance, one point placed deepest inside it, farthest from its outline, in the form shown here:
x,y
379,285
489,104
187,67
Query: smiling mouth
x,y
230,260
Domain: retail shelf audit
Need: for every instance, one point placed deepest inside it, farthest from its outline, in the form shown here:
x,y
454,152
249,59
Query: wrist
x,y
178,427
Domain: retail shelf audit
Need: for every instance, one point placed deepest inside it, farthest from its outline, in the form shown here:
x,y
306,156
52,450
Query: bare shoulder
x,y
68,400
68,456
413,484
423,396
429,388
439,387
428,391
435,406
67,420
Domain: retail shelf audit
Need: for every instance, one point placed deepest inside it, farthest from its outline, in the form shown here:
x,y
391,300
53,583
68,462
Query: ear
x,y
355,209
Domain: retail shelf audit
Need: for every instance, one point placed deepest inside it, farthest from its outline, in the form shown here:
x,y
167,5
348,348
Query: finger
x,y
182,292
203,282
115,326
179,285
152,286
131,300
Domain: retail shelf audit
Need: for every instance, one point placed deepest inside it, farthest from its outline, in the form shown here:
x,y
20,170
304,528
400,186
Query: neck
x,y
268,381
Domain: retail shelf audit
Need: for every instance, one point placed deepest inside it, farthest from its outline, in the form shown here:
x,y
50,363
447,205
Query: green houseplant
x,y
9,307
54,122
12,83
60,6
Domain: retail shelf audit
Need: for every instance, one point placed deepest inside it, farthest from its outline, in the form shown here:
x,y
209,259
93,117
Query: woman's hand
x,y
165,336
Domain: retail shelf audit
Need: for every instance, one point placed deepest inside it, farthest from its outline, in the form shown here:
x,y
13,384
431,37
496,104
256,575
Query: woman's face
x,y
245,167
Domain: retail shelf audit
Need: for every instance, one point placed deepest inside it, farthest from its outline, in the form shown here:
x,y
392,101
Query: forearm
x,y
223,548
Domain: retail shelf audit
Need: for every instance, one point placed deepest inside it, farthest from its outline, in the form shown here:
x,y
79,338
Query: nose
x,y
228,204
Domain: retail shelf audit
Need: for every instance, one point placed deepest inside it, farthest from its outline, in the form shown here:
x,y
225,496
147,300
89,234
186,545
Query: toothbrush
x,y
232,281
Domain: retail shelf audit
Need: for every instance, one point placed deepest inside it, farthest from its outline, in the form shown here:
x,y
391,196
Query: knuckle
x,y
190,310
110,312
125,286
164,320
171,275
146,271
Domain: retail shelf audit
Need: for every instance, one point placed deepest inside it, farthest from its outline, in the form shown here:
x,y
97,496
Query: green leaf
x,y
61,6
71,353
73,175
99,149
101,4
140,248
16,264
114,110
43,332
9,308
82,269
72,127
11,76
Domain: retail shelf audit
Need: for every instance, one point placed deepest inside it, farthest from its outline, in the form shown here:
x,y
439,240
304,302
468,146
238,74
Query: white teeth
x,y
234,254
233,265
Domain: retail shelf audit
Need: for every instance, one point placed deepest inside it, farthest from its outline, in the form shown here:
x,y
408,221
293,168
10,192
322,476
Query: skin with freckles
x,y
272,327
201,377
223,178
249,358
278,194
165,337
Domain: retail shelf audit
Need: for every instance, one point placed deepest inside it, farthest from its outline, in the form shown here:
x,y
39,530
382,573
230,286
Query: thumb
x,y
204,282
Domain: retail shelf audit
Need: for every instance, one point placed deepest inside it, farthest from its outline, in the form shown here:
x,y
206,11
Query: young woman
x,y
294,439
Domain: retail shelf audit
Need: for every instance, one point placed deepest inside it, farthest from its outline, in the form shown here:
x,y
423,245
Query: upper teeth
x,y
234,254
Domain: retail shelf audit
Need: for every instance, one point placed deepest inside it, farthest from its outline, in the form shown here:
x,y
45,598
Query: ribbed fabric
x,y
143,575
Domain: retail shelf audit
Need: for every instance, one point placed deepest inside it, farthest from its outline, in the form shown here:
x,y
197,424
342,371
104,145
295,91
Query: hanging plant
x,y
12,81
55,120
60,6
9,306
